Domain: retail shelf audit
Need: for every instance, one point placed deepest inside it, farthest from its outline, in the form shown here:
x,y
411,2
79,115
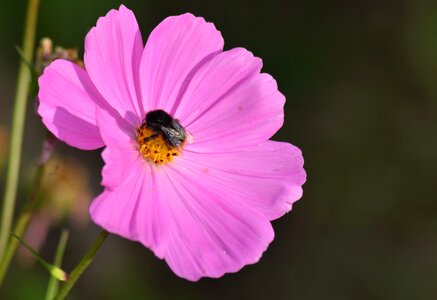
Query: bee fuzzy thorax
x,y
160,137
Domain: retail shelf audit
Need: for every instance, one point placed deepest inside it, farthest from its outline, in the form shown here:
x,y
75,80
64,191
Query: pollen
x,y
154,147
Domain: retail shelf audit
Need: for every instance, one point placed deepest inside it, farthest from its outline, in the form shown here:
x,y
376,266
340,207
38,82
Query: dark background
x,y
360,80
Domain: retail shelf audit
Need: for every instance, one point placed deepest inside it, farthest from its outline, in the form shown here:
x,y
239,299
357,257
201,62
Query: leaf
x,y
33,72
53,270
26,61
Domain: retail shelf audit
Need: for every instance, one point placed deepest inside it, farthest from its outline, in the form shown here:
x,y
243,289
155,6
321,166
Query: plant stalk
x,y
18,121
82,266
53,285
21,223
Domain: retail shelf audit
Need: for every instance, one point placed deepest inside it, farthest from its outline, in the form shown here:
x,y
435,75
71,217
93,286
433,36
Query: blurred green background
x,y
360,81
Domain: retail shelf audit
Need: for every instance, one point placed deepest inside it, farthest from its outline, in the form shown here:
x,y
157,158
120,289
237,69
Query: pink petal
x,y
121,152
267,177
135,209
113,50
67,104
213,232
184,216
229,104
174,50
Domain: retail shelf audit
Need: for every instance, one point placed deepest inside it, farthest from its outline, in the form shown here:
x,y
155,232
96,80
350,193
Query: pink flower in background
x,y
189,169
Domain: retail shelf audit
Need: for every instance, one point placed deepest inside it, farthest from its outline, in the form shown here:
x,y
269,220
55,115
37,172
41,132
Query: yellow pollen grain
x,y
155,149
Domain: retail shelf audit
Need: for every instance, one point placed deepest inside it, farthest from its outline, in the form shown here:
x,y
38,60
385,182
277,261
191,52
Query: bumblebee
x,y
163,124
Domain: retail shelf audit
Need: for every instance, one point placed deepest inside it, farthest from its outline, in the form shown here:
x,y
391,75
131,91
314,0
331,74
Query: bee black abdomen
x,y
157,118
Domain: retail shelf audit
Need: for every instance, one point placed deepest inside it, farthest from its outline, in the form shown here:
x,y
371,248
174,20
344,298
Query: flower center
x,y
160,137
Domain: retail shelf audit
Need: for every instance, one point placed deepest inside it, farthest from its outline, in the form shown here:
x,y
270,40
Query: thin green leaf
x,y
26,61
33,73
53,270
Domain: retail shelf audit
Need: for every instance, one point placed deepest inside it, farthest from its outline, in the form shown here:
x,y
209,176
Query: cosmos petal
x,y
174,50
113,50
121,152
135,209
267,177
213,233
67,104
228,100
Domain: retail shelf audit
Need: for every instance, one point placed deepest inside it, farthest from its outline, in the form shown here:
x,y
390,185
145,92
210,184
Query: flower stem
x,y
53,285
21,223
19,114
82,266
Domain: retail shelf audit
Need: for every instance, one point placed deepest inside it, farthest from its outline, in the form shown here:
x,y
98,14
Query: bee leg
x,y
146,139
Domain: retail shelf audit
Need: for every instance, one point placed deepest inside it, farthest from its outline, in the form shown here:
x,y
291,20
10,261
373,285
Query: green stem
x,y
82,266
19,114
21,223
52,287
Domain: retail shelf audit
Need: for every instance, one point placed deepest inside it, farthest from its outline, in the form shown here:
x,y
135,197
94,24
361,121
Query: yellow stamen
x,y
154,147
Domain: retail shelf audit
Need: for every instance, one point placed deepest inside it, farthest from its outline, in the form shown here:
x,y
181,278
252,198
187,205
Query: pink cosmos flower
x,y
197,181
